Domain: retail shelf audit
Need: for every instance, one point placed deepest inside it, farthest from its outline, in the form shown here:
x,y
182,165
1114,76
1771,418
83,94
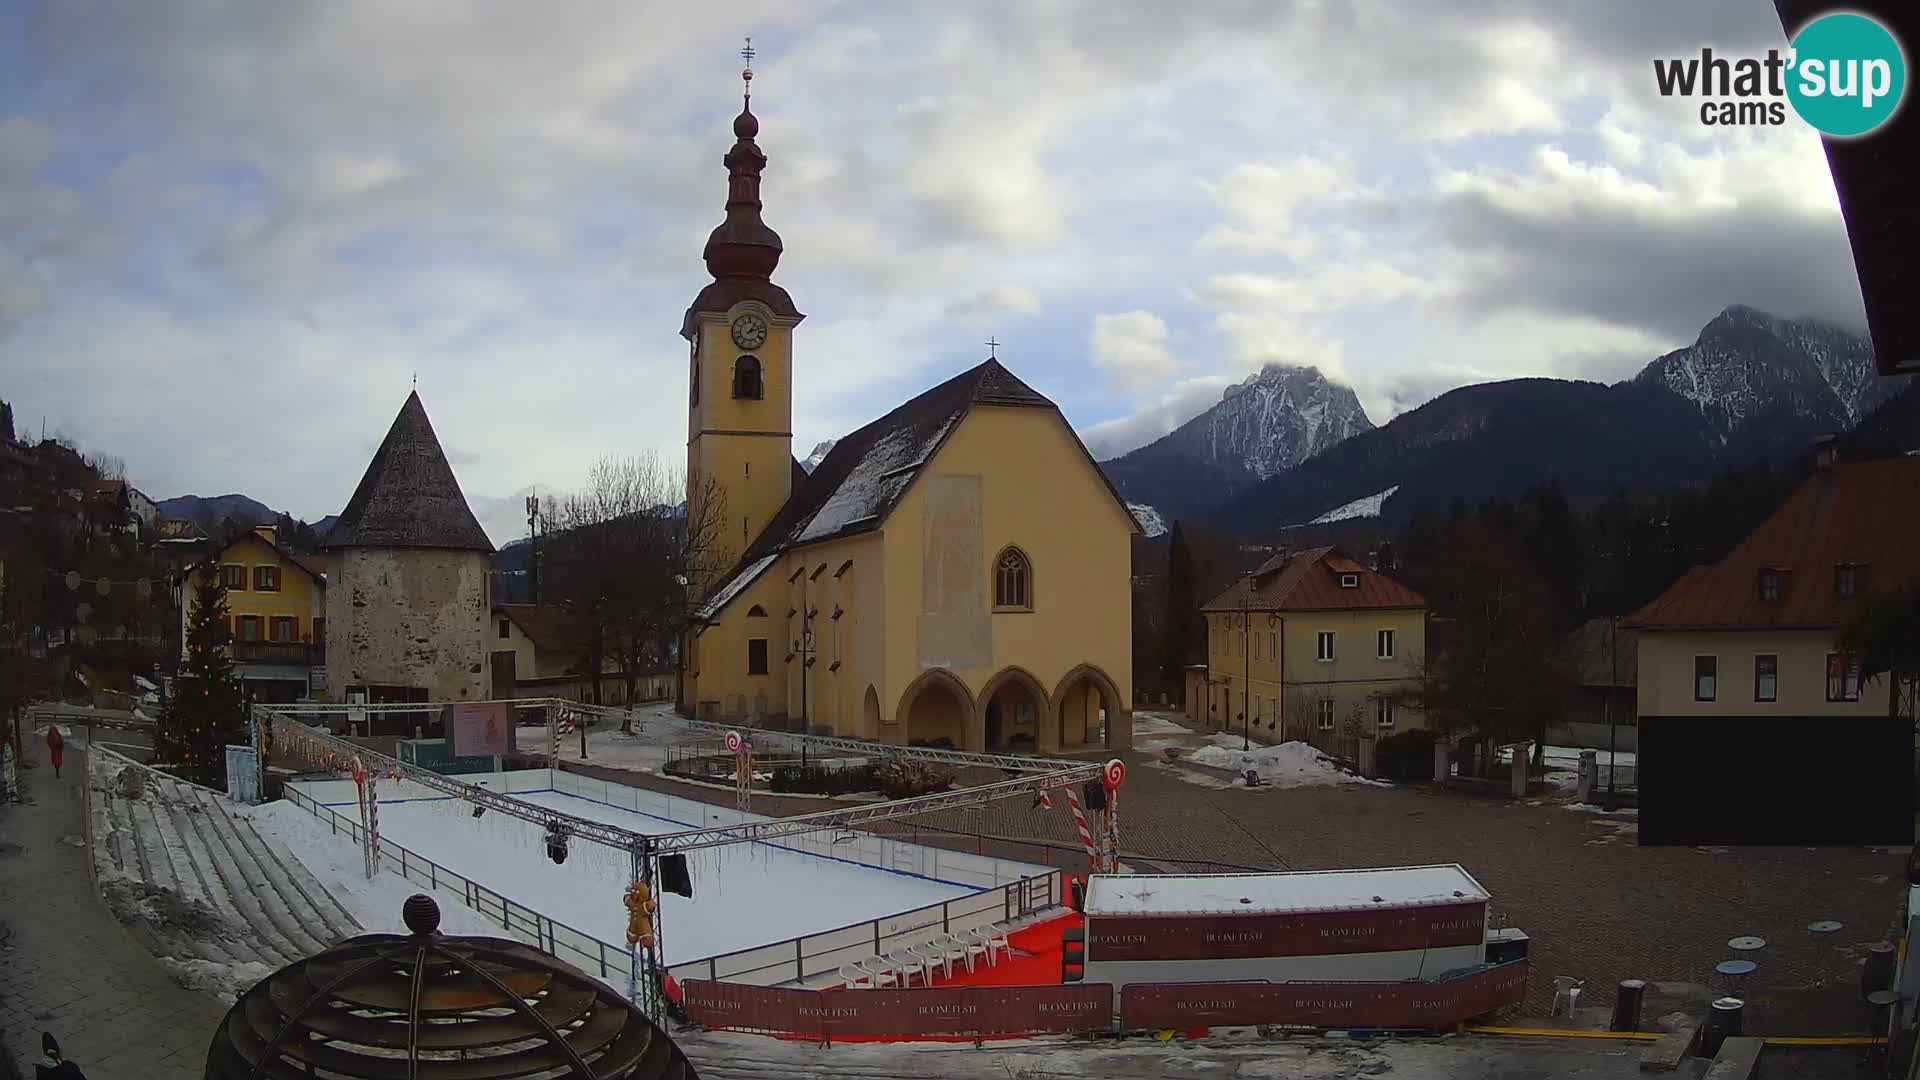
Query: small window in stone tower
x,y
746,378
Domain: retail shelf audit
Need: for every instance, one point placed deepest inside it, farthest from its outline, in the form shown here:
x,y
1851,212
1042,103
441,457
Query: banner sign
x,y
1413,1005
955,1010
1316,933
481,729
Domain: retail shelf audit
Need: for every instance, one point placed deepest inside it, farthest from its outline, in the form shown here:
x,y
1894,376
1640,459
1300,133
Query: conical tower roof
x,y
408,497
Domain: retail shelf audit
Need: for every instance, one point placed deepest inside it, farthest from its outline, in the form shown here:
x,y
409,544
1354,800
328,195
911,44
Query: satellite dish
x,y
73,581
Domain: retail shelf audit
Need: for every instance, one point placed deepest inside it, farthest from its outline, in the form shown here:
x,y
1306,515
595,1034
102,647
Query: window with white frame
x,y
1323,646
1323,714
1383,713
1383,644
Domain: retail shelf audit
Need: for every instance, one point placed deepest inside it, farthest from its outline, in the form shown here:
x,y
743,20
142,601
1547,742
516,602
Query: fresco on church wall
x,y
954,629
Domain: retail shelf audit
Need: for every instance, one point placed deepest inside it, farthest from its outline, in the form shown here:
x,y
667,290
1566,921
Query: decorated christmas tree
x,y
204,713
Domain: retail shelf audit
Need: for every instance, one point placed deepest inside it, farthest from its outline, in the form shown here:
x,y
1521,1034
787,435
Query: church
x,y
955,573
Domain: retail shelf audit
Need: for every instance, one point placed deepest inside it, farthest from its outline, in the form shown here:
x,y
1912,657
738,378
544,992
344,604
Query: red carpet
x,y
1033,961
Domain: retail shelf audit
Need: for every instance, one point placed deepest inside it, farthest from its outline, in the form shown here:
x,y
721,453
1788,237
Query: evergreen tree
x,y
1182,610
204,713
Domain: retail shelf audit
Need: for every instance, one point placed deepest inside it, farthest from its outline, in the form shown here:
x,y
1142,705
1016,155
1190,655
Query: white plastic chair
x,y
855,976
958,949
1568,990
905,965
933,956
879,974
992,937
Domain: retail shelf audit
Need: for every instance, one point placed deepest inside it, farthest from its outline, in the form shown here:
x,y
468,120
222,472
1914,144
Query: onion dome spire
x,y
743,246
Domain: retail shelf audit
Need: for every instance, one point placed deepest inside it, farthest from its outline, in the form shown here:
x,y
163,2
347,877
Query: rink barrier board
x,y
1089,1007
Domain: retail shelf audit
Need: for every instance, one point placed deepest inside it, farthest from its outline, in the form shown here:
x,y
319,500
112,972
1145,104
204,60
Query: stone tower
x,y
407,596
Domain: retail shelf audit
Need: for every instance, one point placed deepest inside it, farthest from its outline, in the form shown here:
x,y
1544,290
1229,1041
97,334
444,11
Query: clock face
x,y
749,331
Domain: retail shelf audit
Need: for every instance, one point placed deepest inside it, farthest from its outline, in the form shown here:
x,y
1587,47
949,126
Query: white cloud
x,y
1131,347
996,301
1186,400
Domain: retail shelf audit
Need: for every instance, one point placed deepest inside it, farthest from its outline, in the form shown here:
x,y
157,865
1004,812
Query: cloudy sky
x,y
232,233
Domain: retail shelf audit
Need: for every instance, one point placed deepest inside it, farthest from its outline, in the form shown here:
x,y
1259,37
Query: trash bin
x,y
1878,972
1626,1004
1723,1022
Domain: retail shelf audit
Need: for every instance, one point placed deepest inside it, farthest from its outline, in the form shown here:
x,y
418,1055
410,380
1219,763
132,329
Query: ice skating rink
x,y
744,894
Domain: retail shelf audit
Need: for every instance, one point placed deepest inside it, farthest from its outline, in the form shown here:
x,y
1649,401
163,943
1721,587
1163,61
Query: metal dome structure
x,y
424,1005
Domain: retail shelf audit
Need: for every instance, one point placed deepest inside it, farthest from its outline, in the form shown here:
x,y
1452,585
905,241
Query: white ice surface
x,y
745,895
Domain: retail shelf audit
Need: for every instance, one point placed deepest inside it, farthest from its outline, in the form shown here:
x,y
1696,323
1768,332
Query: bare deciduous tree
x,y
622,556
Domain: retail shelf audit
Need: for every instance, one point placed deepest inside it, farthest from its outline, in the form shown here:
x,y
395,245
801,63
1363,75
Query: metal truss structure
x,y
1060,773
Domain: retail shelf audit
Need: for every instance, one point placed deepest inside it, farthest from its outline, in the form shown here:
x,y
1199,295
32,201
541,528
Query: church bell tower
x,y
739,332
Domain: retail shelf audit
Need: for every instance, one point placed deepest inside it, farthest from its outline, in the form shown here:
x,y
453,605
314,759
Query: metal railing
x,y
610,962
798,959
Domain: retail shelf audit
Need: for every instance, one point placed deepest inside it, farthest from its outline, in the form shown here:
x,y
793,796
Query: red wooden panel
x,y
1225,937
1153,1006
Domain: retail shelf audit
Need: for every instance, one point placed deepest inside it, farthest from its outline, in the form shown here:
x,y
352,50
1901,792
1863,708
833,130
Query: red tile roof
x,y
1310,581
1864,513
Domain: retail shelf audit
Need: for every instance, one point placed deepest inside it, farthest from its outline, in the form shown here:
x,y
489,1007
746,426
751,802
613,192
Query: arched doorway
x,y
1088,708
870,714
1013,705
937,710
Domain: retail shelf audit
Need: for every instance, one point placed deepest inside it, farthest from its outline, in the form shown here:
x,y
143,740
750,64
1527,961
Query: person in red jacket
x,y
56,748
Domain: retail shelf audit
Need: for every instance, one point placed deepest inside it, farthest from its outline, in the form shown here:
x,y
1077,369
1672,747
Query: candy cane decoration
x,y
1080,821
1111,777
373,827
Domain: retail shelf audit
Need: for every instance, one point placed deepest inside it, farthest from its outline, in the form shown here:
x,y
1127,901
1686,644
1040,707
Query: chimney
x,y
264,532
1826,451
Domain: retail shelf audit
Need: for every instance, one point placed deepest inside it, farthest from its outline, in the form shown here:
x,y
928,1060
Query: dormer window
x,y
746,378
1769,586
1849,580
1349,581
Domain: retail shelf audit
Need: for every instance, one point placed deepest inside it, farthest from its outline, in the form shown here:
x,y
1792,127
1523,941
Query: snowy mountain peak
x,y
1747,365
1274,419
812,461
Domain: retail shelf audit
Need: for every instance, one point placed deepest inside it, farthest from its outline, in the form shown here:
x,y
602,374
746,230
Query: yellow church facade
x,y
956,572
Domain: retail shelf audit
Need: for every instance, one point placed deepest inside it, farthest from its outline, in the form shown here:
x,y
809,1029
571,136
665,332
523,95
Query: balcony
x,y
293,653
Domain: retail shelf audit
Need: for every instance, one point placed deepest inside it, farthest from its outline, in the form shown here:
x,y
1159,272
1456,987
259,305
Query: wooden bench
x,y
1664,1054
1738,1059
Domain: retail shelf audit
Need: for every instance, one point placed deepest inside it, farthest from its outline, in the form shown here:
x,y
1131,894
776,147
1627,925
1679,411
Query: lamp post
x,y
1613,730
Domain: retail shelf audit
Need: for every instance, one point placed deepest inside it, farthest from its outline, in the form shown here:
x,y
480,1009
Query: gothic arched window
x,y
746,378
1012,581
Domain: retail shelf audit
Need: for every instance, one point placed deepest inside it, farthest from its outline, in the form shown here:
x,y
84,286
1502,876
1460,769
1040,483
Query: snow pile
x,y
1290,764
1366,507
335,860
1150,522
228,981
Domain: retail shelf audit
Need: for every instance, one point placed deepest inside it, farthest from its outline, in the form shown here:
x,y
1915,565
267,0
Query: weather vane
x,y
746,74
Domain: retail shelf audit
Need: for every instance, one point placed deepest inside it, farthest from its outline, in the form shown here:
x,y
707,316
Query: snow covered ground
x,y
745,895
335,860
1364,507
1290,764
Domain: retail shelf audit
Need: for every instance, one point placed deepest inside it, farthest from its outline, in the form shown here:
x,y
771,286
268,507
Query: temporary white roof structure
x,y
1280,893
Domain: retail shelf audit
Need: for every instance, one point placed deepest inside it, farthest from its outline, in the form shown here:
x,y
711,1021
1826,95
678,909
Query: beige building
x,y
1753,635
956,572
1312,646
533,650
409,578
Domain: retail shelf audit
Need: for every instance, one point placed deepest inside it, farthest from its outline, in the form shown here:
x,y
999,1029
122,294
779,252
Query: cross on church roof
x,y
993,348
746,74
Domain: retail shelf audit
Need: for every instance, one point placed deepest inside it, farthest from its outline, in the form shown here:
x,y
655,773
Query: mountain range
x,y
1287,447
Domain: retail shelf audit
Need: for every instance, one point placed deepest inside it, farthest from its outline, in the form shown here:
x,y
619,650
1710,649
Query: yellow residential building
x,y
276,613
956,572
1313,646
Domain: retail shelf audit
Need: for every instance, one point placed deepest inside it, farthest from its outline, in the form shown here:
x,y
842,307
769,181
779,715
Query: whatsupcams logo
x,y
1843,73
